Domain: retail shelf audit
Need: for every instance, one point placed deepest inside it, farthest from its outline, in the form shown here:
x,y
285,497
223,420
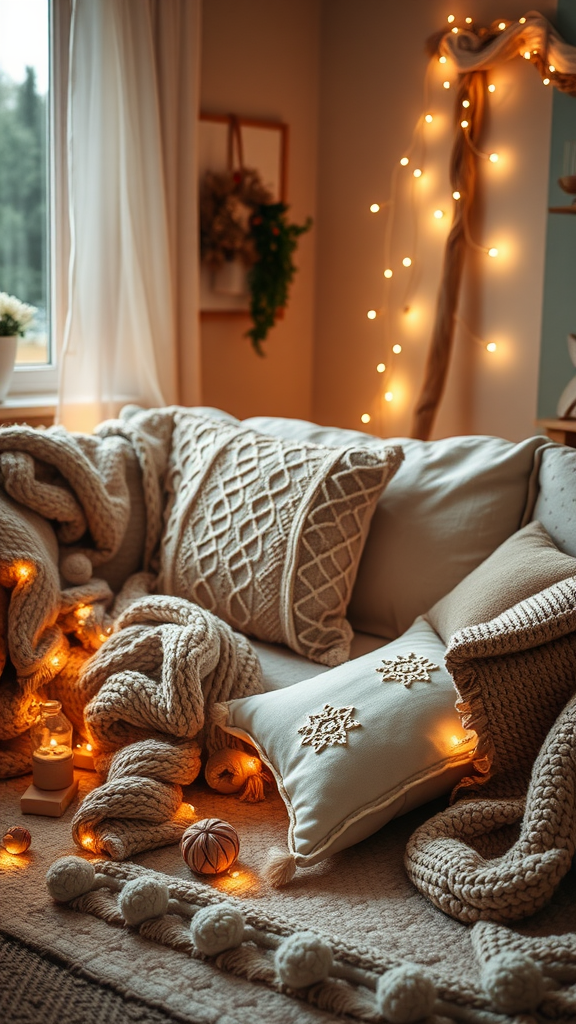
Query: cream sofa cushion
x,y
451,504
555,504
523,565
382,749
267,534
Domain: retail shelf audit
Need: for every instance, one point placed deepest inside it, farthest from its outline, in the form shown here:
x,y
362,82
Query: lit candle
x,y
84,756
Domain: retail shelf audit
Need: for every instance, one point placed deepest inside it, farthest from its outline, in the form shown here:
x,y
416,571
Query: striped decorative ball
x,y
17,839
210,846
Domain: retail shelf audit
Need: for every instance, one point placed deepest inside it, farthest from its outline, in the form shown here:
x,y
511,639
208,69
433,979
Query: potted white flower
x,y
15,317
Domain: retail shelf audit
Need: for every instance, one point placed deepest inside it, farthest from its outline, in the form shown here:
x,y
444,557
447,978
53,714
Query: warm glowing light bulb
x,y
493,252
526,54
446,85
442,60
522,21
463,124
438,214
455,31
396,349
493,158
404,161
389,396
365,417
456,195
551,68
417,172
491,87
89,747
374,208
22,572
491,346
466,103
501,25
428,118
406,262
371,314
55,660
451,18
381,367
468,21
388,272
545,81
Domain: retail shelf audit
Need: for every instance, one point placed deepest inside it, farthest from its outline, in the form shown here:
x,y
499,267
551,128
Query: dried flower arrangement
x,y
239,220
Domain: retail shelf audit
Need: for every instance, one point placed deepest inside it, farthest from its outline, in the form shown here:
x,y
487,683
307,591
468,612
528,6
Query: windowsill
x,y
35,410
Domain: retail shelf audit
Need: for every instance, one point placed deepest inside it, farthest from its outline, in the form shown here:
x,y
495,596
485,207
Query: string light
x,y
22,571
463,124
551,68
493,158
388,273
545,81
446,85
491,346
374,208
365,417
417,172
438,214
468,21
428,118
381,367
451,18
501,25
493,252
466,103
455,31
522,21
371,314
456,195
396,349
405,161
491,87
389,396
442,60
406,262
526,54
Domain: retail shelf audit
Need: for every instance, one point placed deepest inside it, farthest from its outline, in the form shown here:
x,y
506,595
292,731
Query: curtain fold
x,y
132,331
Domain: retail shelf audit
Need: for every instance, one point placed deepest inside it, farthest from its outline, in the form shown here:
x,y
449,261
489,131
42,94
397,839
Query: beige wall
x,y
260,59
372,74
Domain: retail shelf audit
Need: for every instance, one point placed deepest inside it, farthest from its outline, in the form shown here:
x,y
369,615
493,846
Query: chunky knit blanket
x,y
81,518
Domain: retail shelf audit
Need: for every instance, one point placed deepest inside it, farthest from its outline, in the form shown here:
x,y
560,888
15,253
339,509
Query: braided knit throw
x,y
514,676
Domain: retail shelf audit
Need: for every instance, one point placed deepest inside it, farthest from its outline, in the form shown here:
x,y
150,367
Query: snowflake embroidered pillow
x,y
267,534
358,745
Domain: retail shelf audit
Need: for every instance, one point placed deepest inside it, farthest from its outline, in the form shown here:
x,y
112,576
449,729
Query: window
x,y
26,139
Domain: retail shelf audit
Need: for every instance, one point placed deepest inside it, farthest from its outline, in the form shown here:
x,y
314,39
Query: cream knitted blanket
x,y
134,674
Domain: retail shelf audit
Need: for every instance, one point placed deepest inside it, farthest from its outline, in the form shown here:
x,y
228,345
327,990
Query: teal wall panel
x,y
559,305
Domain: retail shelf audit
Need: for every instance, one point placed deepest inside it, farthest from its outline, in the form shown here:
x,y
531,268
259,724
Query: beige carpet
x,y
360,896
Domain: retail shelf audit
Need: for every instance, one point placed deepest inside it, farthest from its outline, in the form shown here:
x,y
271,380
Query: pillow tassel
x,y
253,790
280,867
218,714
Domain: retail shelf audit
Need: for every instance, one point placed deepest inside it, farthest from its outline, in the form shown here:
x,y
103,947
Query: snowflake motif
x,y
407,669
328,727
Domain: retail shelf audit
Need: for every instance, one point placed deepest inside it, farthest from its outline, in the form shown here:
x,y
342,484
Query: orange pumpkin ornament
x,y
210,846
234,771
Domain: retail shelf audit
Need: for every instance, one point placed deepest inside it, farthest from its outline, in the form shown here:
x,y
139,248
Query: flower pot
x,y
8,346
230,279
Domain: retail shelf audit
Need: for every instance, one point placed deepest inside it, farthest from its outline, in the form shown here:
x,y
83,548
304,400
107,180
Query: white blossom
x,y
15,316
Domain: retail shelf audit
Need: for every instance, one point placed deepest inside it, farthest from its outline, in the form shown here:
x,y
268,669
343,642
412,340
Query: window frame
x,y
36,380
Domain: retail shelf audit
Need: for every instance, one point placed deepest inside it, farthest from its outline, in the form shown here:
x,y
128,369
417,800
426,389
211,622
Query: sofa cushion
x,y
267,534
379,749
283,667
526,563
451,504
555,505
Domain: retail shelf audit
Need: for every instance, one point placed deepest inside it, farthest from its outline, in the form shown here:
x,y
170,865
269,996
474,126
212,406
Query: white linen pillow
x,y
407,747
450,505
555,505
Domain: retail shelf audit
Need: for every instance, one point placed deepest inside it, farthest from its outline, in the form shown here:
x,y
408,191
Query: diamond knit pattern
x,y
267,534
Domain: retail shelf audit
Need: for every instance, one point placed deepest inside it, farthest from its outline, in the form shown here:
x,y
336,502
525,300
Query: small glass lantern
x,y
52,757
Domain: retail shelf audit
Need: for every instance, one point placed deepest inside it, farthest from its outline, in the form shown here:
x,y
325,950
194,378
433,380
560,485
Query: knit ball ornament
x,y
142,899
17,839
210,846
68,878
215,929
405,994
303,959
76,568
513,982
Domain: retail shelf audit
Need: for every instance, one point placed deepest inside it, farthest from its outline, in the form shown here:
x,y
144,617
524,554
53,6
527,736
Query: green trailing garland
x,y
238,220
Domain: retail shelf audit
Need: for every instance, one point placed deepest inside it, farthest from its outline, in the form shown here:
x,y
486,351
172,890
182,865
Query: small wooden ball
x,y
17,839
210,846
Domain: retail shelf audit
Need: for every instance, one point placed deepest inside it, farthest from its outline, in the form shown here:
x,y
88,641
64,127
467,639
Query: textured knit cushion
x,y
401,744
268,534
555,505
526,563
451,504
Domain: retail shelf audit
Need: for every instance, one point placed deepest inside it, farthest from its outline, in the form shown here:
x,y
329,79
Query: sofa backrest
x,y
450,505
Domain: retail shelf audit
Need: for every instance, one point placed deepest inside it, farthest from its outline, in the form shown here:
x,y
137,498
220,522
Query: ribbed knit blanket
x,y
81,518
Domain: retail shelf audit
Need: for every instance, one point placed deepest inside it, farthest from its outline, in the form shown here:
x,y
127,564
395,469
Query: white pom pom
x,y
215,929
303,959
69,877
143,898
513,982
405,993
76,568
280,867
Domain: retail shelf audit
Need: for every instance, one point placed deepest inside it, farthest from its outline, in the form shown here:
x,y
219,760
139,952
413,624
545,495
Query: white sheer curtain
x,y
132,327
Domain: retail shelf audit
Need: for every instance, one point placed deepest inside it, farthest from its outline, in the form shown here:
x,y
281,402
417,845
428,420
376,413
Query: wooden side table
x,y
563,431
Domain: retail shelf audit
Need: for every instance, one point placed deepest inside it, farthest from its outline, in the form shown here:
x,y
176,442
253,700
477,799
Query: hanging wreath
x,y
239,220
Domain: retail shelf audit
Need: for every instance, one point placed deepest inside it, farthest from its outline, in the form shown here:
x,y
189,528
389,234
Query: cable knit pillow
x,y
358,745
523,565
266,533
